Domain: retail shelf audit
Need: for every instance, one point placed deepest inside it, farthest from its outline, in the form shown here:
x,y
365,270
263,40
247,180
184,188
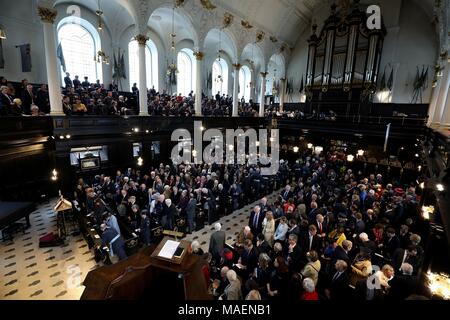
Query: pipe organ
x,y
344,58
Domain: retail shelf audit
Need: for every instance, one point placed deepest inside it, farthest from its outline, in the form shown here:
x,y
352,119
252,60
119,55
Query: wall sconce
x,y
54,175
309,145
2,33
360,153
350,158
140,162
426,211
318,150
440,187
295,149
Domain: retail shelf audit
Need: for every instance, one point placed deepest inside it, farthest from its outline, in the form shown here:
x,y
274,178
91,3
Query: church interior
x,y
119,126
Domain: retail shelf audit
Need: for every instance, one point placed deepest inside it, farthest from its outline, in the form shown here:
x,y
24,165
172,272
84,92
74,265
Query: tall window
x,y
151,63
186,72
245,79
79,49
220,77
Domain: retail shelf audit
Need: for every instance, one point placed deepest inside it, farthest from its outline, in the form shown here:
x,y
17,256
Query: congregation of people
x,y
86,98
331,234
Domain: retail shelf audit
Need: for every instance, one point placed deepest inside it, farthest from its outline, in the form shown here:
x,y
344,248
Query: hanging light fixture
x,y
101,56
172,69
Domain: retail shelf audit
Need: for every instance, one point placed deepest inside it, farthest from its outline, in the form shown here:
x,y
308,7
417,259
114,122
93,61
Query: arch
x,y
276,69
253,54
223,38
161,21
151,63
245,83
220,72
80,43
186,71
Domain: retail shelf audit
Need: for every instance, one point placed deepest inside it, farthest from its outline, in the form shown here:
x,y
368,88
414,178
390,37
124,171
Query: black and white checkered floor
x,y
32,273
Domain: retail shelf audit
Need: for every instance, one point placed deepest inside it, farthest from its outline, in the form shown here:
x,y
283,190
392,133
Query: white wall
x,y
411,41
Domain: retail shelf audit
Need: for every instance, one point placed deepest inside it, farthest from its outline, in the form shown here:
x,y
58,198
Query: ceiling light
x,y
68,136
350,158
360,153
309,145
296,149
61,137
136,129
440,187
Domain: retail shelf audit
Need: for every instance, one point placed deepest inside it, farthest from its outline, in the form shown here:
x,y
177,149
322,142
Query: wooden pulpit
x,y
147,276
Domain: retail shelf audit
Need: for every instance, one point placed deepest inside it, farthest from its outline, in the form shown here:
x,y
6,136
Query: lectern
x,y
61,208
150,275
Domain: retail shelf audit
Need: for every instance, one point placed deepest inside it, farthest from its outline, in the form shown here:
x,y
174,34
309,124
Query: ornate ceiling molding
x,y
227,19
206,4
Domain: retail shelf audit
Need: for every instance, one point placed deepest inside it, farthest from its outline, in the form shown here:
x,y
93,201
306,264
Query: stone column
x,y
143,106
236,67
48,17
282,94
441,107
262,101
198,88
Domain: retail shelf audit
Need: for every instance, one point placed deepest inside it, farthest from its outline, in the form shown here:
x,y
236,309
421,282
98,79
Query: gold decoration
x,y
283,47
179,3
237,66
227,19
260,36
206,4
47,15
141,39
199,55
273,39
246,24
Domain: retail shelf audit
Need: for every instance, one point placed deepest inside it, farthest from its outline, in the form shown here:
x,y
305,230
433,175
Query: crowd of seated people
x,y
86,98
163,195
334,234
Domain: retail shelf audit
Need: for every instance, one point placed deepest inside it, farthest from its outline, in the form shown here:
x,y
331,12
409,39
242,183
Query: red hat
x,y
227,254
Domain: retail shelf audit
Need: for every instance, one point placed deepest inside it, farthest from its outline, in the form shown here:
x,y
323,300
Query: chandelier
x,y
101,56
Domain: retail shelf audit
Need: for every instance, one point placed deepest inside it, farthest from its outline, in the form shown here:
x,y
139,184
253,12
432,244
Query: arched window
x,y
245,83
79,48
151,63
186,72
220,77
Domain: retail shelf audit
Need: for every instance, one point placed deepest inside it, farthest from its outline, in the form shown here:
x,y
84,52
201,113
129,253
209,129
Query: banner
x,y
60,55
25,53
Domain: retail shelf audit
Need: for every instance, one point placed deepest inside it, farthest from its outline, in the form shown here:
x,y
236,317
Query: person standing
x,y
113,241
217,242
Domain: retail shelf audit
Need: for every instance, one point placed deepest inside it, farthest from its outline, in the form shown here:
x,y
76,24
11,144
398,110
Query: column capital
x,y
47,15
237,66
264,74
199,55
141,39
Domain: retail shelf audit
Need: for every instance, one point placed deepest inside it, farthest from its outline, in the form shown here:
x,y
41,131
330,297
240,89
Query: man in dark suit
x,y
248,260
6,101
43,100
68,81
27,99
293,229
391,243
76,82
310,241
293,254
256,220
112,240
217,243
286,194
360,226
404,285
321,225
338,287
262,246
190,212
342,253
401,256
